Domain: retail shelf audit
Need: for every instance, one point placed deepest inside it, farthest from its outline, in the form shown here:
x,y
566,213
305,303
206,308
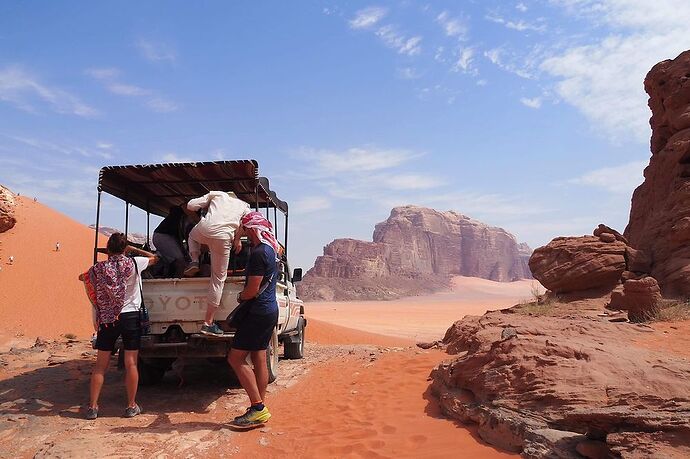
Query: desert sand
x,y
356,394
424,318
39,293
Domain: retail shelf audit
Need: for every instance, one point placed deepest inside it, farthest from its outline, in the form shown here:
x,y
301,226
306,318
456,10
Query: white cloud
x,y
310,204
156,52
521,7
110,78
464,62
534,102
367,17
161,105
175,158
24,91
367,159
518,25
618,179
453,27
497,57
408,73
392,38
603,79
410,182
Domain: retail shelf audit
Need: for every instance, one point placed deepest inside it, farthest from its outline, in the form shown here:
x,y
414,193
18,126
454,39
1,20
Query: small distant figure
x,y
34,198
57,246
11,259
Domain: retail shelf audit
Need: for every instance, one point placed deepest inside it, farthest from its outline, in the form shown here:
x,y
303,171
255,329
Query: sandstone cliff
x,y
660,214
415,251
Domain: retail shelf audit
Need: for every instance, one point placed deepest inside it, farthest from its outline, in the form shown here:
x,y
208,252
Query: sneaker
x,y
91,414
191,269
213,330
134,411
252,418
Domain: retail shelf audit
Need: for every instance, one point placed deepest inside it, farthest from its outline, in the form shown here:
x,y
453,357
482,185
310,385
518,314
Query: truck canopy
x,y
157,187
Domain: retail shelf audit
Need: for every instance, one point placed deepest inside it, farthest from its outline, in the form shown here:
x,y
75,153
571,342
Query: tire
x,y
272,357
151,373
296,350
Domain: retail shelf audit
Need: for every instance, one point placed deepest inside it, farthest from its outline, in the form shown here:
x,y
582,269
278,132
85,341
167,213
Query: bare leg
x,y
260,372
131,377
97,376
238,361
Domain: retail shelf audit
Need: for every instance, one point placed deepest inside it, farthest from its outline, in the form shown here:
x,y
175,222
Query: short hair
x,y
117,243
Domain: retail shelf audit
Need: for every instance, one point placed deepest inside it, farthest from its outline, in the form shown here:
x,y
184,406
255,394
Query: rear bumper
x,y
196,345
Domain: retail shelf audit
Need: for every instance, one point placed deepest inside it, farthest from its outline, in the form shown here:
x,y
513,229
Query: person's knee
x,y
236,359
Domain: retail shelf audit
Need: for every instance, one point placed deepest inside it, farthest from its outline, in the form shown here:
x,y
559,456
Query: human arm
x,y
237,240
201,202
151,257
251,289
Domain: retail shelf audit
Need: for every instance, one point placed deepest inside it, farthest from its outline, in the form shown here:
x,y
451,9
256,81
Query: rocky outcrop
x,y
415,251
637,296
570,264
7,205
660,214
561,385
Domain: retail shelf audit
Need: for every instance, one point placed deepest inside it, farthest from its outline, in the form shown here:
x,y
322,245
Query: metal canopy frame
x,y
155,188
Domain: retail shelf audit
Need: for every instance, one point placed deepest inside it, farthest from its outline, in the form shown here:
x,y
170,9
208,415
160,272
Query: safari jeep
x,y
177,305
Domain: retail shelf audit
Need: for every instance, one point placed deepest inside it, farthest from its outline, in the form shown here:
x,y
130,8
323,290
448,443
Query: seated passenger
x,y
169,238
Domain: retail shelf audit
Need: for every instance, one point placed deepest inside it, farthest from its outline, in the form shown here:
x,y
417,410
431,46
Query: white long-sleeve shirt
x,y
223,216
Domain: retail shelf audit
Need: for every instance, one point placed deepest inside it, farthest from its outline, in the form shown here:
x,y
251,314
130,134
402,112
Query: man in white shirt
x,y
216,230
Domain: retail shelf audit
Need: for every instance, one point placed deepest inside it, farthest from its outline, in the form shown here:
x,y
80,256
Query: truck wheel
x,y
272,357
150,373
295,350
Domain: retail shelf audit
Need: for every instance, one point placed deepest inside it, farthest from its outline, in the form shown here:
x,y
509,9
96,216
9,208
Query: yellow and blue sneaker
x,y
251,418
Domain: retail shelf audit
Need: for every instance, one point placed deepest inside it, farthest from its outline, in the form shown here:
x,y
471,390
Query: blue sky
x,y
529,115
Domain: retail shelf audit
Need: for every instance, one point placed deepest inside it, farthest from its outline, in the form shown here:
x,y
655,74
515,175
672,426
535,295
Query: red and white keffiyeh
x,y
264,229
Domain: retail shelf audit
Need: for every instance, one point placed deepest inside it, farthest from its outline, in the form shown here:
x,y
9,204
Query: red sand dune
x,y
40,294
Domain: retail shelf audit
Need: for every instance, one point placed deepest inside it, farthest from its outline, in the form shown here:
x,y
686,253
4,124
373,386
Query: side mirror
x,y
297,275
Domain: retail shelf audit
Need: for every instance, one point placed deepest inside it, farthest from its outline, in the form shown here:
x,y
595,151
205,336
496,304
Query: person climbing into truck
x,y
255,329
217,230
114,287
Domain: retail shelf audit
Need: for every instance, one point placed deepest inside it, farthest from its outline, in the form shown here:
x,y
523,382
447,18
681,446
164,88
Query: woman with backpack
x,y
116,287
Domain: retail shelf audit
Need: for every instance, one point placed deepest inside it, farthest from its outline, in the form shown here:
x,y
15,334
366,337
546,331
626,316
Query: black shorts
x,y
128,326
254,333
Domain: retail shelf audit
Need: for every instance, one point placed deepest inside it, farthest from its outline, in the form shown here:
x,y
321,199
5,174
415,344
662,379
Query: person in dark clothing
x,y
255,331
169,238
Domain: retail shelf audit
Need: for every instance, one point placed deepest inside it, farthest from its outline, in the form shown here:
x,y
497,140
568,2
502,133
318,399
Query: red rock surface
x,y
542,386
7,205
415,251
660,214
570,264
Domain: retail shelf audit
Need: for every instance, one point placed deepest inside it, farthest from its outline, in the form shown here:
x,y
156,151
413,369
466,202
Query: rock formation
x,y
660,214
560,385
7,205
415,251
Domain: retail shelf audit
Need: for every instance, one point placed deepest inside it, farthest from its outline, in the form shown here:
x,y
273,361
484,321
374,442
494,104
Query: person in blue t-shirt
x,y
254,332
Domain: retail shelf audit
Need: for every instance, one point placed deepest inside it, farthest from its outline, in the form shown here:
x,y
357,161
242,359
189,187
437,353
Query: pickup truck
x,y
176,306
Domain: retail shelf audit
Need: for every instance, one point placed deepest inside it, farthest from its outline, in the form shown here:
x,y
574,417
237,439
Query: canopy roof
x,y
157,187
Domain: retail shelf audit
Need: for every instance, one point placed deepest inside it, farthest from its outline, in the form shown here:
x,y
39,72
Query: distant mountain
x,y
415,251
137,238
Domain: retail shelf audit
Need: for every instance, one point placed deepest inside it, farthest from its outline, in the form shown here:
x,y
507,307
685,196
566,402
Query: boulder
x,y
660,213
7,206
638,296
570,264
603,229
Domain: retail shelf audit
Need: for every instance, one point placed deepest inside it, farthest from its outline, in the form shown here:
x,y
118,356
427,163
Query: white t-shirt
x,y
223,215
132,291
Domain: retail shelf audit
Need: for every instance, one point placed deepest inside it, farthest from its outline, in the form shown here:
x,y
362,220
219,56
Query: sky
x,y
528,115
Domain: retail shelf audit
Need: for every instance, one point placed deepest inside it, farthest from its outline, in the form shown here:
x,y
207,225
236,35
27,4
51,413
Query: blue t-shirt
x,y
262,262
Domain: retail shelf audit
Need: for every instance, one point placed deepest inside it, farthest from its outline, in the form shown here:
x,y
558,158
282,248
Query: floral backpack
x,y
106,284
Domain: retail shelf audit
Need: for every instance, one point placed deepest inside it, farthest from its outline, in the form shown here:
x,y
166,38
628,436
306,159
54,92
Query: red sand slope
x,y
40,294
